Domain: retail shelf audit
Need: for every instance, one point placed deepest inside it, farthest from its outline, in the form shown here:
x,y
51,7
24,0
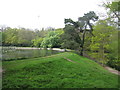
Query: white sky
x,y
44,13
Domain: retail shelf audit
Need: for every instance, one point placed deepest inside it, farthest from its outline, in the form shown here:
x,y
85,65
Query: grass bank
x,y
57,72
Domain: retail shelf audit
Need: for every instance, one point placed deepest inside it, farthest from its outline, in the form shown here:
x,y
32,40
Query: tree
x,y
10,36
52,39
25,37
114,11
113,55
70,38
82,26
41,33
37,42
17,37
100,43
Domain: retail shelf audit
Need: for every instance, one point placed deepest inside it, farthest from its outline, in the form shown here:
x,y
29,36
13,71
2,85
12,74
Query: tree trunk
x,y
82,45
81,52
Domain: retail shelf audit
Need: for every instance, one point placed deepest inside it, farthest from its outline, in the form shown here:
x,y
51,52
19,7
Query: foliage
x,y
104,46
24,37
37,42
70,38
80,27
10,36
52,39
57,72
17,37
114,59
100,43
114,10
41,33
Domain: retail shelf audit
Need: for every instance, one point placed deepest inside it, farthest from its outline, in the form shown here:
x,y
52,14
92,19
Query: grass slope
x,y
56,72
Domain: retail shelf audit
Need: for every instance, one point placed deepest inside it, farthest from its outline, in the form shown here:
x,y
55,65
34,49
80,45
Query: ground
x,y
64,70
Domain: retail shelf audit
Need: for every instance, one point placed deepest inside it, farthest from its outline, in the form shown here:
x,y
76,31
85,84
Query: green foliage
x,y
104,45
100,43
79,28
114,6
56,72
114,59
70,38
17,37
52,39
114,10
25,37
114,45
41,33
10,36
37,42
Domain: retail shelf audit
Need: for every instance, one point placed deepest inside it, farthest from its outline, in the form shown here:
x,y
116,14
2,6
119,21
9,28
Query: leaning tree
x,y
82,26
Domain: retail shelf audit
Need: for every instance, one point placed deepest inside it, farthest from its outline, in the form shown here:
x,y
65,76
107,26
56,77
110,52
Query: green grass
x,y
56,72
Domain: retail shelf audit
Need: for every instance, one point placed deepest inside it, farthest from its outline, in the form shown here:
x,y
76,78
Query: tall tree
x,y
82,26
70,39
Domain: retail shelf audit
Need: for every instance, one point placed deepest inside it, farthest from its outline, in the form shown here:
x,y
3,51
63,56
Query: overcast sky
x,y
44,13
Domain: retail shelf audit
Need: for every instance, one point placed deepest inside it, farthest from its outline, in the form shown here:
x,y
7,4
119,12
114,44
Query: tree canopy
x,y
81,26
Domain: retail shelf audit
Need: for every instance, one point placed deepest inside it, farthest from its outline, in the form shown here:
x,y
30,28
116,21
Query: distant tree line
x,y
31,38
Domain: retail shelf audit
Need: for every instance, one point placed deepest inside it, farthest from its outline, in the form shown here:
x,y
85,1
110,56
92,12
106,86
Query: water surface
x,y
14,54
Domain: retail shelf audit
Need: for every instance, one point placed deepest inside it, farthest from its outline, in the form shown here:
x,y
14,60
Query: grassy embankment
x,y
56,72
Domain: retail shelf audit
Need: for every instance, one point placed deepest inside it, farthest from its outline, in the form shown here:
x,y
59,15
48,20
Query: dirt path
x,y
106,67
112,70
70,60
1,70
